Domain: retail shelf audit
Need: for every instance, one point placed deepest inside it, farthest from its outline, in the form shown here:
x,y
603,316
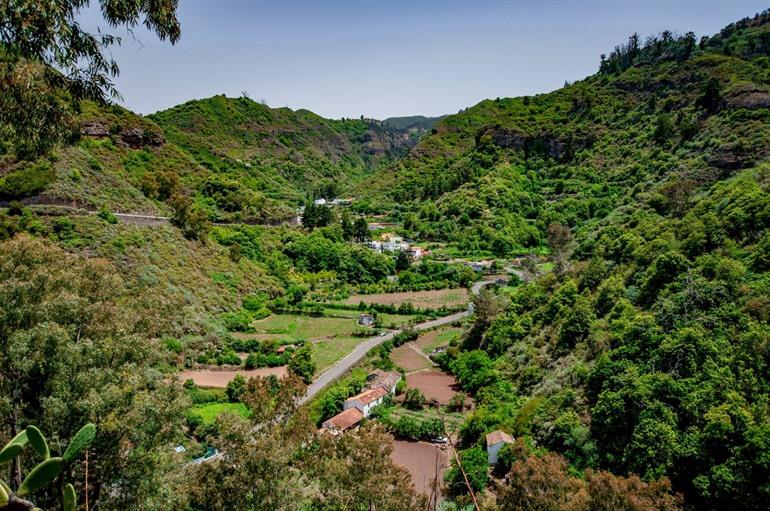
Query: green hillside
x,y
495,175
646,349
281,154
417,123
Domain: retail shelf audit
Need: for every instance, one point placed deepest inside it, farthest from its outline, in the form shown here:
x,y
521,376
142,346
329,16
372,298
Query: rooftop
x,y
345,419
498,436
369,396
385,379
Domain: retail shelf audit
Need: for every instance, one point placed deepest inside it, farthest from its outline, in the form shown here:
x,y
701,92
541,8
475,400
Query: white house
x,y
320,202
365,319
366,400
416,252
395,246
495,441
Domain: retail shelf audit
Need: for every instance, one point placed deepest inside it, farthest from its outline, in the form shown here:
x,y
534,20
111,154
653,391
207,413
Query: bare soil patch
x,y
220,379
424,462
434,384
407,358
421,299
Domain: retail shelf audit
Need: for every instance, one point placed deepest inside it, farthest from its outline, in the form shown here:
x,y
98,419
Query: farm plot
x,y
413,356
435,338
434,384
332,337
298,327
410,358
220,379
422,299
425,462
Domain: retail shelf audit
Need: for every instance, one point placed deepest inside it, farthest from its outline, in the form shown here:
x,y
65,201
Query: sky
x,y
388,58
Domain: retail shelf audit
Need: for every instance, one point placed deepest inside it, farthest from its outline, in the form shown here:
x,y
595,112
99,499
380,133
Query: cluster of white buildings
x,y
380,385
393,243
333,202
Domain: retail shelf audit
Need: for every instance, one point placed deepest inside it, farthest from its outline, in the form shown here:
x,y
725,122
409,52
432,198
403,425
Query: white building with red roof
x,y
366,400
495,441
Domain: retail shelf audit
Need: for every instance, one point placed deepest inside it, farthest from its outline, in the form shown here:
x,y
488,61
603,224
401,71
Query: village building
x,y
415,252
366,400
495,441
365,319
375,245
380,384
395,246
345,420
384,379
480,266
320,202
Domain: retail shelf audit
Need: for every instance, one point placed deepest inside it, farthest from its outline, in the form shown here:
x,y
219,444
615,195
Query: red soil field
x,y
420,459
434,384
209,378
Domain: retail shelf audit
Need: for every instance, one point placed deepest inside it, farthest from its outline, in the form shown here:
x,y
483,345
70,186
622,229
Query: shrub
x,y
26,181
414,399
235,388
107,216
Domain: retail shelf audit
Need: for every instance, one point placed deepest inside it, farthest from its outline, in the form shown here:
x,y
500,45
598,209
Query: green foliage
x,y
80,442
37,441
27,181
107,216
235,388
414,399
474,462
69,498
302,364
41,475
473,369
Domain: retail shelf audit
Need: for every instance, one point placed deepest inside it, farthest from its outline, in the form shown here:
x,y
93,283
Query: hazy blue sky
x,y
389,58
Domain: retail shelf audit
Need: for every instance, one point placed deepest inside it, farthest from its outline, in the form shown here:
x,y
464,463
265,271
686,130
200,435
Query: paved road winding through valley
x,y
360,351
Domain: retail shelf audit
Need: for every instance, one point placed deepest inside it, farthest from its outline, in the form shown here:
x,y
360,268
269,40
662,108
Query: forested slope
x,y
667,118
646,350
285,154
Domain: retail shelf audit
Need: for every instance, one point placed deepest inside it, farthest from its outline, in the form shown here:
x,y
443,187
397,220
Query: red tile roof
x,y
369,396
344,419
385,379
498,436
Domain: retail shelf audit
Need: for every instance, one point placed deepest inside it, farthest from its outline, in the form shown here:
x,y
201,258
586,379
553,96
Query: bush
x,y
414,399
238,321
235,388
475,463
302,365
28,181
107,216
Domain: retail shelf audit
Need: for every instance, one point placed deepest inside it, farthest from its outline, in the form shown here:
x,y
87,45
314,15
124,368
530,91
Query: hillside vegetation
x,y
685,115
280,154
632,364
646,350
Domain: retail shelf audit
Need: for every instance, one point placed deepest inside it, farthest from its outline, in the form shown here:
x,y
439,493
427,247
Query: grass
x,y
423,299
333,337
329,351
304,327
210,411
432,340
